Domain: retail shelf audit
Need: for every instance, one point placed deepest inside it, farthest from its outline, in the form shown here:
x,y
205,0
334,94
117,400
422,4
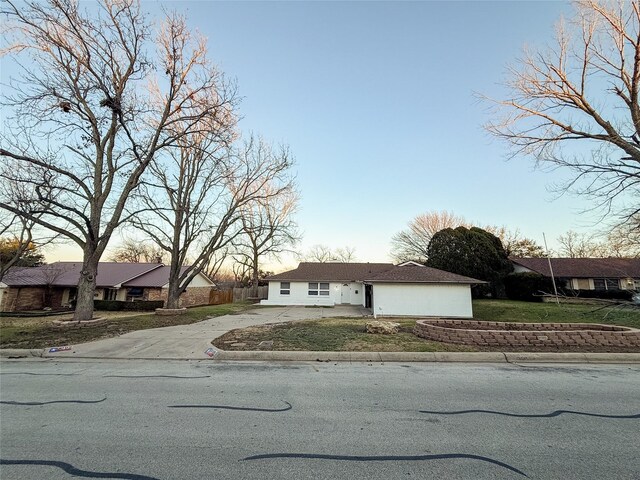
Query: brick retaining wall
x,y
194,296
479,333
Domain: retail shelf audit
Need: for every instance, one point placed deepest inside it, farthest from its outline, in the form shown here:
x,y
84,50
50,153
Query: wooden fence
x,y
218,297
241,294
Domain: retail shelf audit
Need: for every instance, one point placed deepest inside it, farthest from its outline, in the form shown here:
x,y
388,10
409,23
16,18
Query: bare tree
x,y
514,244
222,275
624,241
580,245
50,274
241,273
135,251
345,254
94,104
584,88
324,254
317,253
413,242
268,229
193,200
525,248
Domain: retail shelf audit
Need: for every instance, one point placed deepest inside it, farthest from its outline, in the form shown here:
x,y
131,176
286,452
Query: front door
x,y
345,293
368,296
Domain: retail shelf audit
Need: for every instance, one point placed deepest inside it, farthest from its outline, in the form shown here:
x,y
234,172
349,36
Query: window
x,y
321,289
612,283
606,283
110,293
285,288
134,294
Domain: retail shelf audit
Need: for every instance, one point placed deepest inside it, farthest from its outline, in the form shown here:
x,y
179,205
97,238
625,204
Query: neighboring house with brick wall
x,y
409,289
54,285
586,273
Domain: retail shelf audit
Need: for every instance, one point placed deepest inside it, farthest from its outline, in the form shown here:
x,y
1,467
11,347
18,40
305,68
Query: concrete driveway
x,y
191,341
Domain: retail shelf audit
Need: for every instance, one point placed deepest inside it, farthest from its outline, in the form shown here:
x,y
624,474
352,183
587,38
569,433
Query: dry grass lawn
x,y
331,334
39,332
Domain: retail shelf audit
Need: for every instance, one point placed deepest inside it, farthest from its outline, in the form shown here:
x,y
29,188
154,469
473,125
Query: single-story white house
x,y
409,289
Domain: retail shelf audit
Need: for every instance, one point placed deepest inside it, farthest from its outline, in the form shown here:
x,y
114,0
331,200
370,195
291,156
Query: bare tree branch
x,y
583,88
93,106
201,191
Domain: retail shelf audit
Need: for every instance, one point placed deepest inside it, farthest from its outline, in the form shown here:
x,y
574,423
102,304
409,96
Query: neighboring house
x,y
586,273
54,285
409,289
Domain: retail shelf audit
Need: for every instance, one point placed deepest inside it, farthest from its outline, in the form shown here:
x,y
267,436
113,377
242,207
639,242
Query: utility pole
x,y
553,280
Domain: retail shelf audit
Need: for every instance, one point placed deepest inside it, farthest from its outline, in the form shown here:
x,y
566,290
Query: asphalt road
x,y
142,420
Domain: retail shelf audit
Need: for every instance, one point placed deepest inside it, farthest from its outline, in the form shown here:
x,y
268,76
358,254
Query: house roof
x,y
370,272
158,277
67,274
583,267
419,274
331,271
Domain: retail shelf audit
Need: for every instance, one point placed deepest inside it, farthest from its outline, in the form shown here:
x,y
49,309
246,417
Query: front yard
x,y
331,334
348,334
529,312
39,332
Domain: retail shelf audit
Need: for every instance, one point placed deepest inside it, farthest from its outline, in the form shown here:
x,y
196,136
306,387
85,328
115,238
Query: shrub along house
x,y
585,273
409,289
54,285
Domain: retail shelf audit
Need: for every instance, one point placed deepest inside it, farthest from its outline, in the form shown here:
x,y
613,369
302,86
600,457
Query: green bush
x,y
117,305
527,286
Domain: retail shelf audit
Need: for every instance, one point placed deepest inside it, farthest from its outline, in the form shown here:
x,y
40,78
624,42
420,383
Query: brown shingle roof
x,y
370,272
414,274
67,274
332,272
156,278
583,267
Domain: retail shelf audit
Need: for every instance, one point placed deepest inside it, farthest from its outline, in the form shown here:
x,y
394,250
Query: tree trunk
x,y
173,297
48,295
86,290
254,286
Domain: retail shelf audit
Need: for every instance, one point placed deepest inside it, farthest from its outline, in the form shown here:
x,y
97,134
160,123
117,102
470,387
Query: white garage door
x,y
424,300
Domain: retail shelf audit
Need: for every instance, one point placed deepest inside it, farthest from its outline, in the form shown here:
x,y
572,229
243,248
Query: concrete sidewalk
x,y
191,341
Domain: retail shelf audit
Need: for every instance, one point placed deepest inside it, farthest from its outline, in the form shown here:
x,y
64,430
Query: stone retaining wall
x,y
479,333
192,297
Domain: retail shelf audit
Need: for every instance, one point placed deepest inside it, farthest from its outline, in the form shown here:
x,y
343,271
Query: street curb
x,y
441,357
488,357
21,352
377,357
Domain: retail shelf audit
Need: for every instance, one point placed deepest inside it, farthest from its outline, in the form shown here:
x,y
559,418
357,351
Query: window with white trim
x,y
318,289
285,288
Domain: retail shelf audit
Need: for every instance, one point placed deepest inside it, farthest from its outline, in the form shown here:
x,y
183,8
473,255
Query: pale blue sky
x,y
376,100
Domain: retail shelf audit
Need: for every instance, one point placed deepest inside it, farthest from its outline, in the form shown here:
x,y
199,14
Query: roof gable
x,y
157,278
